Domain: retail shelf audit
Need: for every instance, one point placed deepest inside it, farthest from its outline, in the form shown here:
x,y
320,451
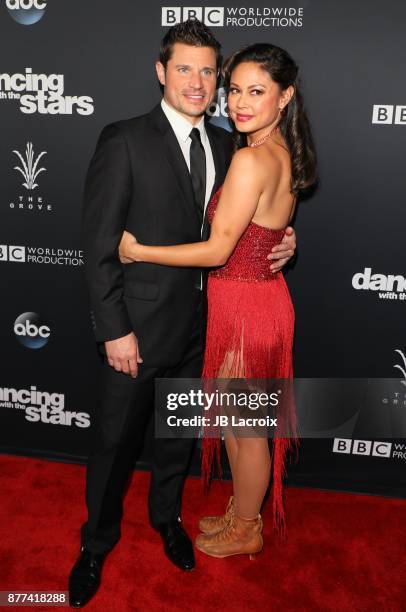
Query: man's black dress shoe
x,y
177,545
84,579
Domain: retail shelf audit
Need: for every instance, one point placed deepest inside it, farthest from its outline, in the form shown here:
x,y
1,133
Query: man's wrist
x,y
136,252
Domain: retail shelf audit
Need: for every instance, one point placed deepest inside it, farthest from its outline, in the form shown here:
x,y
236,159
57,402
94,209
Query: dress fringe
x,y
250,336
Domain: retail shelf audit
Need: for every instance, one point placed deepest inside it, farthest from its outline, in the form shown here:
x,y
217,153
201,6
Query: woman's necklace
x,y
258,142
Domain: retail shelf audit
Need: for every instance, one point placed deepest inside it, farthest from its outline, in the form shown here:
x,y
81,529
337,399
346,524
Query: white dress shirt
x,y
182,128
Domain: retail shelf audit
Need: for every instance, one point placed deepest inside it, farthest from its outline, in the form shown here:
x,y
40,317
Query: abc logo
x,y
31,331
26,12
217,110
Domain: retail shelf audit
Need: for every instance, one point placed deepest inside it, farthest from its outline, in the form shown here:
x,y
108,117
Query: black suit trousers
x,y
122,416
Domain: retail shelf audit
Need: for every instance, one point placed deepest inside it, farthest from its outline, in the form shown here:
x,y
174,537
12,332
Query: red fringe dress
x,y
250,333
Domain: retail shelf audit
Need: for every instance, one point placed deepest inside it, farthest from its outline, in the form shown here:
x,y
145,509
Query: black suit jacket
x,y
138,180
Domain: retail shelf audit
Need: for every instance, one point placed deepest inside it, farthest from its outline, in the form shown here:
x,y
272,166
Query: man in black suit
x,y
154,176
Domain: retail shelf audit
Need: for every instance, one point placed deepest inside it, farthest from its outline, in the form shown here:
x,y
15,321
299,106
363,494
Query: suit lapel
x,y
176,160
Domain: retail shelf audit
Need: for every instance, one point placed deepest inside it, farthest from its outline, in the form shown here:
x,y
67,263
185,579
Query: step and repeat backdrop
x,y
69,68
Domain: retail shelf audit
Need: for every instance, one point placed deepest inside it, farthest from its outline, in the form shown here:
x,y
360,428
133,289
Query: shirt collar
x,y
181,126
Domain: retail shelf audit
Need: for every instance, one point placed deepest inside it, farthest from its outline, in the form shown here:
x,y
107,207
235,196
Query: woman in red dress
x,y
250,313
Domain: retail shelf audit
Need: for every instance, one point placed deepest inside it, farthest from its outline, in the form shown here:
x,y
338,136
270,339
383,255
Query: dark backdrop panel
x,y
352,58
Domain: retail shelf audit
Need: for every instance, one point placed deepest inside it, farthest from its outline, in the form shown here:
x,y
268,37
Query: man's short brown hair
x,y
191,32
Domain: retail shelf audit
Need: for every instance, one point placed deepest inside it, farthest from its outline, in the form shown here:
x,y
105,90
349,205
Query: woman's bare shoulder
x,y
255,161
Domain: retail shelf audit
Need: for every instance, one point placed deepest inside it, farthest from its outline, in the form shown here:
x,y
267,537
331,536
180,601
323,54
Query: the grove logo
x,y
402,368
26,12
217,110
31,331
29,166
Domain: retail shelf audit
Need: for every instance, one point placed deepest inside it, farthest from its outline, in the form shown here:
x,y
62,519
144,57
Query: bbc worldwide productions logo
x,y
26,12
370,448
366,448
212,16
53,256
388,114
235,16
14,253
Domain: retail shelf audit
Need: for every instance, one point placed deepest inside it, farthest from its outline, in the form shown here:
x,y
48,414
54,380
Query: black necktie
x,y
198,170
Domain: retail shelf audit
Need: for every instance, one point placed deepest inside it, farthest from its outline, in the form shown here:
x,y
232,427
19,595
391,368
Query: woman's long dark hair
x,y
294,124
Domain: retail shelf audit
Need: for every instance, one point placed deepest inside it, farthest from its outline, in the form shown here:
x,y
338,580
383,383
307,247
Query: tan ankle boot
x,y
240,536
213,524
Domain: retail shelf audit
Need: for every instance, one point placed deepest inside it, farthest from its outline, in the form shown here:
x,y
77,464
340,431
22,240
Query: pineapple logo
x,y
401,368
29,168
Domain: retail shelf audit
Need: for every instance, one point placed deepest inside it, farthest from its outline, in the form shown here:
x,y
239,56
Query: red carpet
x,y
344,551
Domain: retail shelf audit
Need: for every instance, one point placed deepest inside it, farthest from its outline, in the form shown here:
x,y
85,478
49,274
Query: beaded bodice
x,y
249,260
